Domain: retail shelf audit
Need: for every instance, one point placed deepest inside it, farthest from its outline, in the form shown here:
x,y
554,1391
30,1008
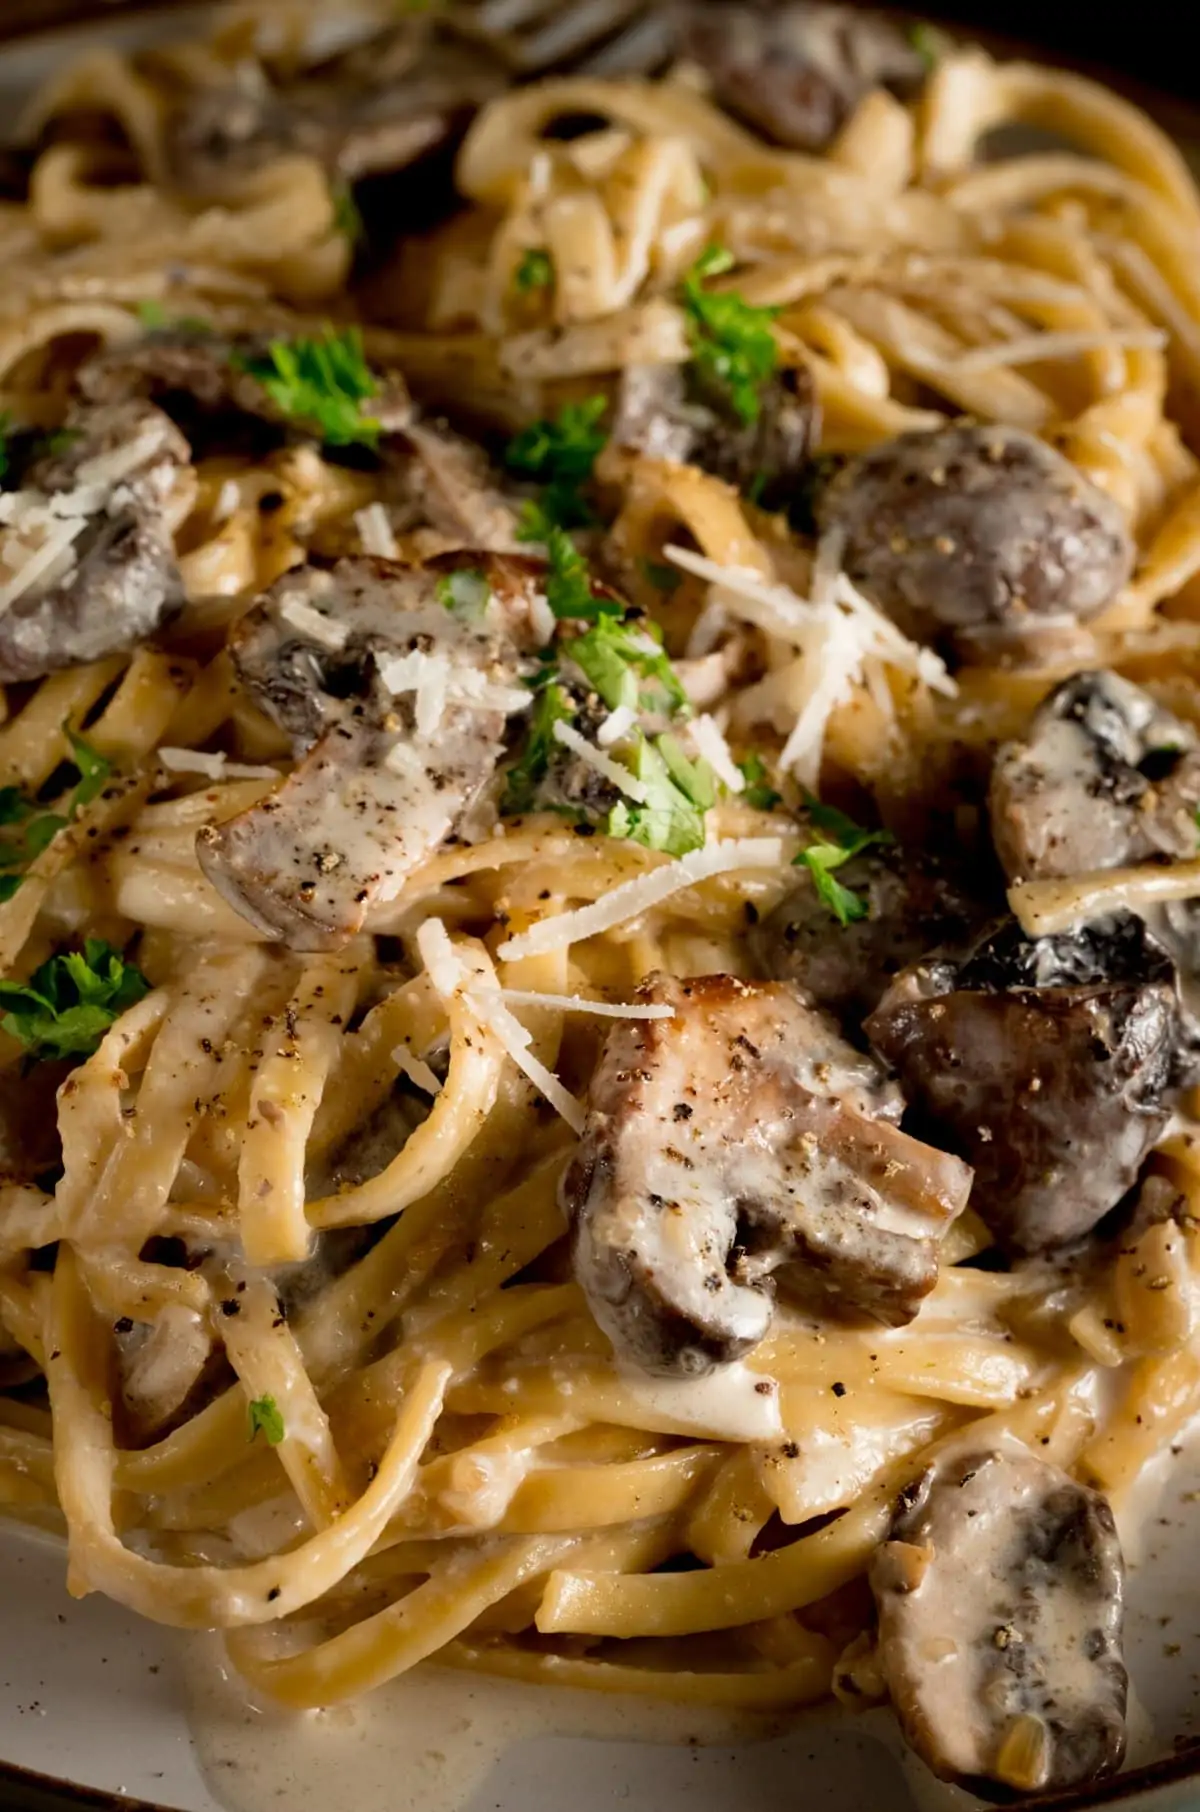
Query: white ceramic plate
x,y
101,1709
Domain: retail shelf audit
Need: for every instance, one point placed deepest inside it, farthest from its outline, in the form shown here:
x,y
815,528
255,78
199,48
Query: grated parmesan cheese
x,y
228,498
25,564
542,619
710,742
612,771
634,897
618,723
579,1003
314,624
437,683
213,766
448,975
838,632
110,468
375,532
416,1069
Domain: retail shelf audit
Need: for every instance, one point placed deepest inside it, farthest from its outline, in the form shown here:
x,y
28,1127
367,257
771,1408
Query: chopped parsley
x,y
844,839
569,590
155,317
68,1004
758,791
535,271
553,705
38,829
929,43
320,383
625,666
662,576
466,591
347,217
680,792
732,343
560,454
266,1419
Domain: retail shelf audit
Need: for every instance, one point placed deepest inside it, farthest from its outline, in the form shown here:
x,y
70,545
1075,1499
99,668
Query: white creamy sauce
x,y
727,1405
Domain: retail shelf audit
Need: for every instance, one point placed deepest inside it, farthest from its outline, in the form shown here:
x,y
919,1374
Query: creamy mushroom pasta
x,y
599,787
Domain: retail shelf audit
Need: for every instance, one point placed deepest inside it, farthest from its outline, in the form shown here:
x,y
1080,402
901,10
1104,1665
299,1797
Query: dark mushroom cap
x,y
1050,1064
796,71
1105,776
739,1146
983,536
661,411
1000,1593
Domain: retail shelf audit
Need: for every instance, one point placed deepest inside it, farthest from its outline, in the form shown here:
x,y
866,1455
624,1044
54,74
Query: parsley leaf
x,y
848,839
68,1004
560,454
347,217
152,313
569,583
321,384
662,576
553,705
732,342
758,792
466,591
929,43
618,659
679,793
535,271
265,1418
40,830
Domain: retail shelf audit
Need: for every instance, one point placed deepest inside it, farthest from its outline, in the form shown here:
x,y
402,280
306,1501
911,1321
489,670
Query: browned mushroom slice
x,y
739,1146
1105,776
87,556
396,702
1001,1599
377,107
916,903
438,480
661,412
984,536
795,72
1051,1065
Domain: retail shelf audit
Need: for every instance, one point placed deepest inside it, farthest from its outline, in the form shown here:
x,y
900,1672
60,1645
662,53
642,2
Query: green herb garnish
x,y
39,828
846,839
266,1419
560,454
569,590
758,791
679,790
929,43
659,574
732,342
321,384
553,705
535,271
347,216
466,591
68,1004
625,667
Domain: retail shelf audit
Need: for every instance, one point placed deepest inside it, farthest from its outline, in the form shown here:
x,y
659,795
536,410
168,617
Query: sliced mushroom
x,y
1051,1065
661,411
796,72
1105,776
396,704
445,486
980,535
916,903
87,556
376,108
740,1146
1001,1603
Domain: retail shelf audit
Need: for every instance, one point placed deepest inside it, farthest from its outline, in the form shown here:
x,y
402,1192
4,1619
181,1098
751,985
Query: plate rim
x,y
25,1789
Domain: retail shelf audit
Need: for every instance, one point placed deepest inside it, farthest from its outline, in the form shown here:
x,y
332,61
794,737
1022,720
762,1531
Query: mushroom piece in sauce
x,y
1051,1065
1001,1596
796,72
660,415
87,555
739,1146
1105,776
980,535
916,904
396,703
